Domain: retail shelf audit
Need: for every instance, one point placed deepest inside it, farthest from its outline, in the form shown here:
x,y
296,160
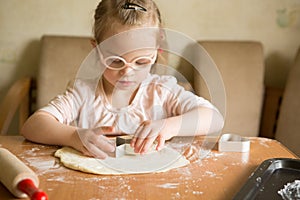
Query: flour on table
x,y
160,161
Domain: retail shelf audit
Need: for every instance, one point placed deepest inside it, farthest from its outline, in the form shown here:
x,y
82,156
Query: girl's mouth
x,y
126,83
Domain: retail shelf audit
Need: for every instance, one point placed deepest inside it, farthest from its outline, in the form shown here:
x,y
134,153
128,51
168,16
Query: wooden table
x,y
217,176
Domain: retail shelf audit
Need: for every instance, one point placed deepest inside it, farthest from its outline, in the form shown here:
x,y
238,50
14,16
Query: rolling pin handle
x,y
27,186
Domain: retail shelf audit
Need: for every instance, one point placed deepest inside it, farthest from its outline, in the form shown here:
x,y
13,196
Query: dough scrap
x,y
160,161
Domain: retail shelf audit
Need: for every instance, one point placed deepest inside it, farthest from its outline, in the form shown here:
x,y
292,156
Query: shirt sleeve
x,y
65,107
178,100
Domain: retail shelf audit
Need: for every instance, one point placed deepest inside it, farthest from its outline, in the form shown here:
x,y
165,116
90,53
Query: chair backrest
x,y
60,59
241,65
288,125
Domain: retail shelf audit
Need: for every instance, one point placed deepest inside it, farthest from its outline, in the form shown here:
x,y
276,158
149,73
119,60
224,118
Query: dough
x,y
130,151
160,161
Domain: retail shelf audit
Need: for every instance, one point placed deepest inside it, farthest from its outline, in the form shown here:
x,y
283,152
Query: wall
x,y
22,23
276,23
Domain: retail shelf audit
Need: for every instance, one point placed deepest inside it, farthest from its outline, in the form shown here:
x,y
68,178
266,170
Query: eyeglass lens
x,y
118,63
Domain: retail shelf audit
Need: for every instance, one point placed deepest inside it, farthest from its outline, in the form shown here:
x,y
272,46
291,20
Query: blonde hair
x,y
125,12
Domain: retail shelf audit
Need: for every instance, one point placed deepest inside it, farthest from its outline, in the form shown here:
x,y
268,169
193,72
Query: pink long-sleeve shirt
x,y
85,105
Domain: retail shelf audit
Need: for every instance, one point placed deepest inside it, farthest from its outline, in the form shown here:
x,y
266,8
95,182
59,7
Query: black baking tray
x,y
270,177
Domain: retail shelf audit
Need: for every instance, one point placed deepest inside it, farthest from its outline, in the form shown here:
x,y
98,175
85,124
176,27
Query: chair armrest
x,y
16,97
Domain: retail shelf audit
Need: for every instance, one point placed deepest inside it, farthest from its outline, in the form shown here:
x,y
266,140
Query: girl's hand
x,y
147,133
95,143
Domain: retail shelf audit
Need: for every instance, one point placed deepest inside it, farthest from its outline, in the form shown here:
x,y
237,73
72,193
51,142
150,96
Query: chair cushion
x,y
60,59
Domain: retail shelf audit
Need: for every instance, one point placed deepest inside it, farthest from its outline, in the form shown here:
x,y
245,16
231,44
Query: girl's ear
x,y
93,42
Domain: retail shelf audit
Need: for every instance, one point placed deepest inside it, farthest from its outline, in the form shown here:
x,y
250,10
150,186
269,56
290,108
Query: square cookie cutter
x,y
233,143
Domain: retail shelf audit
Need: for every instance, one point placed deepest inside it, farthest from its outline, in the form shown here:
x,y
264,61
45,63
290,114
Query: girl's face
x,y
128,53
130,69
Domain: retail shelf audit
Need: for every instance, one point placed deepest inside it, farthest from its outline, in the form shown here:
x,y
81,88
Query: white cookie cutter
x,y
234,143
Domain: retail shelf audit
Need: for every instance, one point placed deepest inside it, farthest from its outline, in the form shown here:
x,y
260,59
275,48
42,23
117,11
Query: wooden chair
x,y
288,127
16,98
241,65
60,59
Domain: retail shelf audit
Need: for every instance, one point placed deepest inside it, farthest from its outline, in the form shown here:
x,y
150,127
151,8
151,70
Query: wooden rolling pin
x,y
19,179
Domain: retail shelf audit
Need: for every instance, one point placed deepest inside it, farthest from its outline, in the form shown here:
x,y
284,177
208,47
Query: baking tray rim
x,y
255,179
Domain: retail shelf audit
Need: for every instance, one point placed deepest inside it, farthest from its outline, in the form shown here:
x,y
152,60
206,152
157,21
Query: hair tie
x,y
133,6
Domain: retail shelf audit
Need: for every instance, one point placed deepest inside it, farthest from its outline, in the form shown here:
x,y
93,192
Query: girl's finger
x,y
139,137
96,152
148,142
160,142
133,141
86,152
104,144
134,138
104,130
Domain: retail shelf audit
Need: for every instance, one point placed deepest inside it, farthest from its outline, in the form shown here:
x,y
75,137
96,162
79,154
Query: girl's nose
x,y
127,70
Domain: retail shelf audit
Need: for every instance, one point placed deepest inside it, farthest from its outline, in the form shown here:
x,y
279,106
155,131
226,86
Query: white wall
x,y
22,23
276,23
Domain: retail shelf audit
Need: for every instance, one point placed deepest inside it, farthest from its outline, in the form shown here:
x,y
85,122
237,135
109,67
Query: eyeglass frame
x,y
131,64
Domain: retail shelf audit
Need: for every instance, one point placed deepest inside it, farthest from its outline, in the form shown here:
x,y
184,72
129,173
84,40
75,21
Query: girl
x,y
128,99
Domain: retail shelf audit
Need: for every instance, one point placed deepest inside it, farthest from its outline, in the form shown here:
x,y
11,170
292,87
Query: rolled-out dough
x,y
161,161
130,151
